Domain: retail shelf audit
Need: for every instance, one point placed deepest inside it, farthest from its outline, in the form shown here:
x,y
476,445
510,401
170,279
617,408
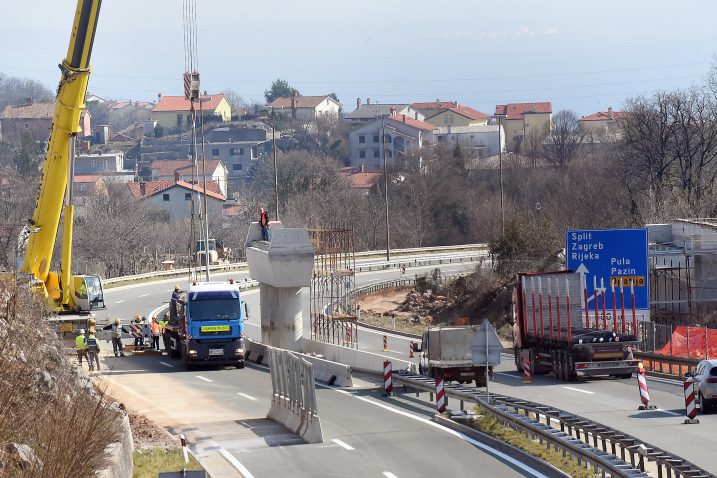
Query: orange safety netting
x,y
702,343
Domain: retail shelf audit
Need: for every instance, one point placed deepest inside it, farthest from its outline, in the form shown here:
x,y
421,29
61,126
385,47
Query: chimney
x,y
362,168
415,115
142,188
358,103
29,101
368,101
176,176
609,111
404,118
159,96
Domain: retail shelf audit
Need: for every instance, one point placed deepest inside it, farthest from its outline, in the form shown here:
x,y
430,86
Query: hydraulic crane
x,y
64,291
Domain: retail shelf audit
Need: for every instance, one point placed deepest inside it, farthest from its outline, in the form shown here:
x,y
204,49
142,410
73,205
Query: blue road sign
x,y
609,257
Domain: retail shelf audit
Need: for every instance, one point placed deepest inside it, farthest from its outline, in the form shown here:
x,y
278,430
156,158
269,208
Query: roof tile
x,y
517,110
179,103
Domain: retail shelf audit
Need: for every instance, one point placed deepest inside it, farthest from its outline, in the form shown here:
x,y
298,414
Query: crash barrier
x,y
293,401
237,266
690,407
357,360
609,452
387,377
394,284
325,371
666,366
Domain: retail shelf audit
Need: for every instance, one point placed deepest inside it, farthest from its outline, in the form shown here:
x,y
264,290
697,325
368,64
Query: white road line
x,y
427,421
203,378
143,295
120,301
579,390
247,396
670,413
235,463
342,444
388,474
167,364
509,375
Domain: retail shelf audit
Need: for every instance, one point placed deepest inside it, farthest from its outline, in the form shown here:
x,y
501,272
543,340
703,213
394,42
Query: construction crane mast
x,y
66,292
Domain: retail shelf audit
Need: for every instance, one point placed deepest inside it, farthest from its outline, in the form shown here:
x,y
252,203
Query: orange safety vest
x,y
155,328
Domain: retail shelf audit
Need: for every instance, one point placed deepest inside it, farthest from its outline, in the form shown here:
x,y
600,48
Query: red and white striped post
x,y
348,336
642,385
183,440
690,407
440,395
410,349
387,377
385,343
525,360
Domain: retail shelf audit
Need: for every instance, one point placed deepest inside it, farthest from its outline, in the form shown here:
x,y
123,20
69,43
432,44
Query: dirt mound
x,y
147,434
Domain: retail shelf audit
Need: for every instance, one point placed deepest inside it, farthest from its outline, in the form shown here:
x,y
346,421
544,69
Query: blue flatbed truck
x,y
209,326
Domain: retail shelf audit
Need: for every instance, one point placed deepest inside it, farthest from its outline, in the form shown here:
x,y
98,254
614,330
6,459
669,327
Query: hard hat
x,y
176,287
640,366
137,316
82,331
117,321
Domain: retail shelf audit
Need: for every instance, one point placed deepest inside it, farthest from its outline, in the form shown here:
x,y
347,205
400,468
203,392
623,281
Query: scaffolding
x,y
332,305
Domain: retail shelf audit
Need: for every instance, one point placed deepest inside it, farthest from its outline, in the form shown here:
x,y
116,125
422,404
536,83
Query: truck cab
x,y
209,328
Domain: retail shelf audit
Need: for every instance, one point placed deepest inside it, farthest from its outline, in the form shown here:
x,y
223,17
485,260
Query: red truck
x,y
552,334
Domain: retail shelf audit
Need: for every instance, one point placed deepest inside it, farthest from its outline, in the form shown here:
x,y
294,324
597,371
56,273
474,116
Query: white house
x,y
474,141
175,197
306,108
404,136
181,170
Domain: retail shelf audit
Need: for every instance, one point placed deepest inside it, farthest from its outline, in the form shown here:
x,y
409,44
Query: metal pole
x,y
500,168
204,179
276,174
385,183
487,396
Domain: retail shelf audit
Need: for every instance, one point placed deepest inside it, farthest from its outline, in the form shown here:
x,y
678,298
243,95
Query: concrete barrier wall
x,y
357,359
120,454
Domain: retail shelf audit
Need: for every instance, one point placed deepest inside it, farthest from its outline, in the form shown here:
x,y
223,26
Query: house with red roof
x,y
175,197
602,123
524,120
404,138
360,179
35,120
173,112
306,108
181,170
458,115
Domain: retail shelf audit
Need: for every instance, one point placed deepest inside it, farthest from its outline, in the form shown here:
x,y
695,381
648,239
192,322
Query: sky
x,y
584,55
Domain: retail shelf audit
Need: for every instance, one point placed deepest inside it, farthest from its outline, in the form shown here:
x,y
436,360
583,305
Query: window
x,y
254,152
237,167
362,154
362,139
376,138
215,151
241,151
187,196
390,153
234,152
82,187
165,197
26,125
376,153
387,138
440,139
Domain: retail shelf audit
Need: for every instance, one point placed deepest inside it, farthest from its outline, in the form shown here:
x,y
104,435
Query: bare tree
x,y
564,140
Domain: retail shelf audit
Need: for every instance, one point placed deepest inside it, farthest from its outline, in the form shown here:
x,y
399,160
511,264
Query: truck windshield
x,y
214,306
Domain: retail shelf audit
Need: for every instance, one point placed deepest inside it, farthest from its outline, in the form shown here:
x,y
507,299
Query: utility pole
x,y
500,168
276,174
385,184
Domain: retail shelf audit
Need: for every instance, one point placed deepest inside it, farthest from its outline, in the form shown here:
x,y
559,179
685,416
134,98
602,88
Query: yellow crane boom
x,y
67,293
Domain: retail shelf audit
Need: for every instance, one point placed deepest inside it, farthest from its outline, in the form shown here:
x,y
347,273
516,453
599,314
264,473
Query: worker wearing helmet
x,y
138,340
176,297
117,330
93,352
81,346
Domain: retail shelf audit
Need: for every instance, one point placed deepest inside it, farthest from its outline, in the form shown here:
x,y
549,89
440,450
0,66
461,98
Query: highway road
x,y
222,410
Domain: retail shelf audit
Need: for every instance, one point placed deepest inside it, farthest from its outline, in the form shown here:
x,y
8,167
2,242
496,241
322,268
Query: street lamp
x,y
385,184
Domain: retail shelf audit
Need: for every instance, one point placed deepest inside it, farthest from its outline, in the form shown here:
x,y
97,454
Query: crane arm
x,y
69,104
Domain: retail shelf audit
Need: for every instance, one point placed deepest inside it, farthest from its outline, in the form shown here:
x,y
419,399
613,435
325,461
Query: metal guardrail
x,y
666,366
590,443
293,401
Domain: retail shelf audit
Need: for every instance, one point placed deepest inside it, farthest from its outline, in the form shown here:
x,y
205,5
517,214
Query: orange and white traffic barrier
x,y
525,359
440,395
644,393
410,349
690,407
348,337
385,343
387,377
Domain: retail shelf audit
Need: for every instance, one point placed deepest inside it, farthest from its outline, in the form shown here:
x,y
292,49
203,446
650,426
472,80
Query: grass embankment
x,y
490,426
149,463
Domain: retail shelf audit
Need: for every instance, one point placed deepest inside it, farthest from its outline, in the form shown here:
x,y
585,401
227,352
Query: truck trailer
x,y
208,327
552,334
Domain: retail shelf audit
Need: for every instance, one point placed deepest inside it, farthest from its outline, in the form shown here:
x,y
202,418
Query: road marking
x,y
203,378
120,301
579,390
343,445
167,364
235,463
388,474
143,295
670,413
247,396
509,375
427,421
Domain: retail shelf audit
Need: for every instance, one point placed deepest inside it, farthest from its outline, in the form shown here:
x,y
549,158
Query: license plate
x,y
213,352
215,328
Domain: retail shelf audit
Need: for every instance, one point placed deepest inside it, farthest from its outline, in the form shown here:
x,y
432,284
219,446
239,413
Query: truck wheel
x,y
185,359
570,374
240,364
556,369
480,379
562,376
